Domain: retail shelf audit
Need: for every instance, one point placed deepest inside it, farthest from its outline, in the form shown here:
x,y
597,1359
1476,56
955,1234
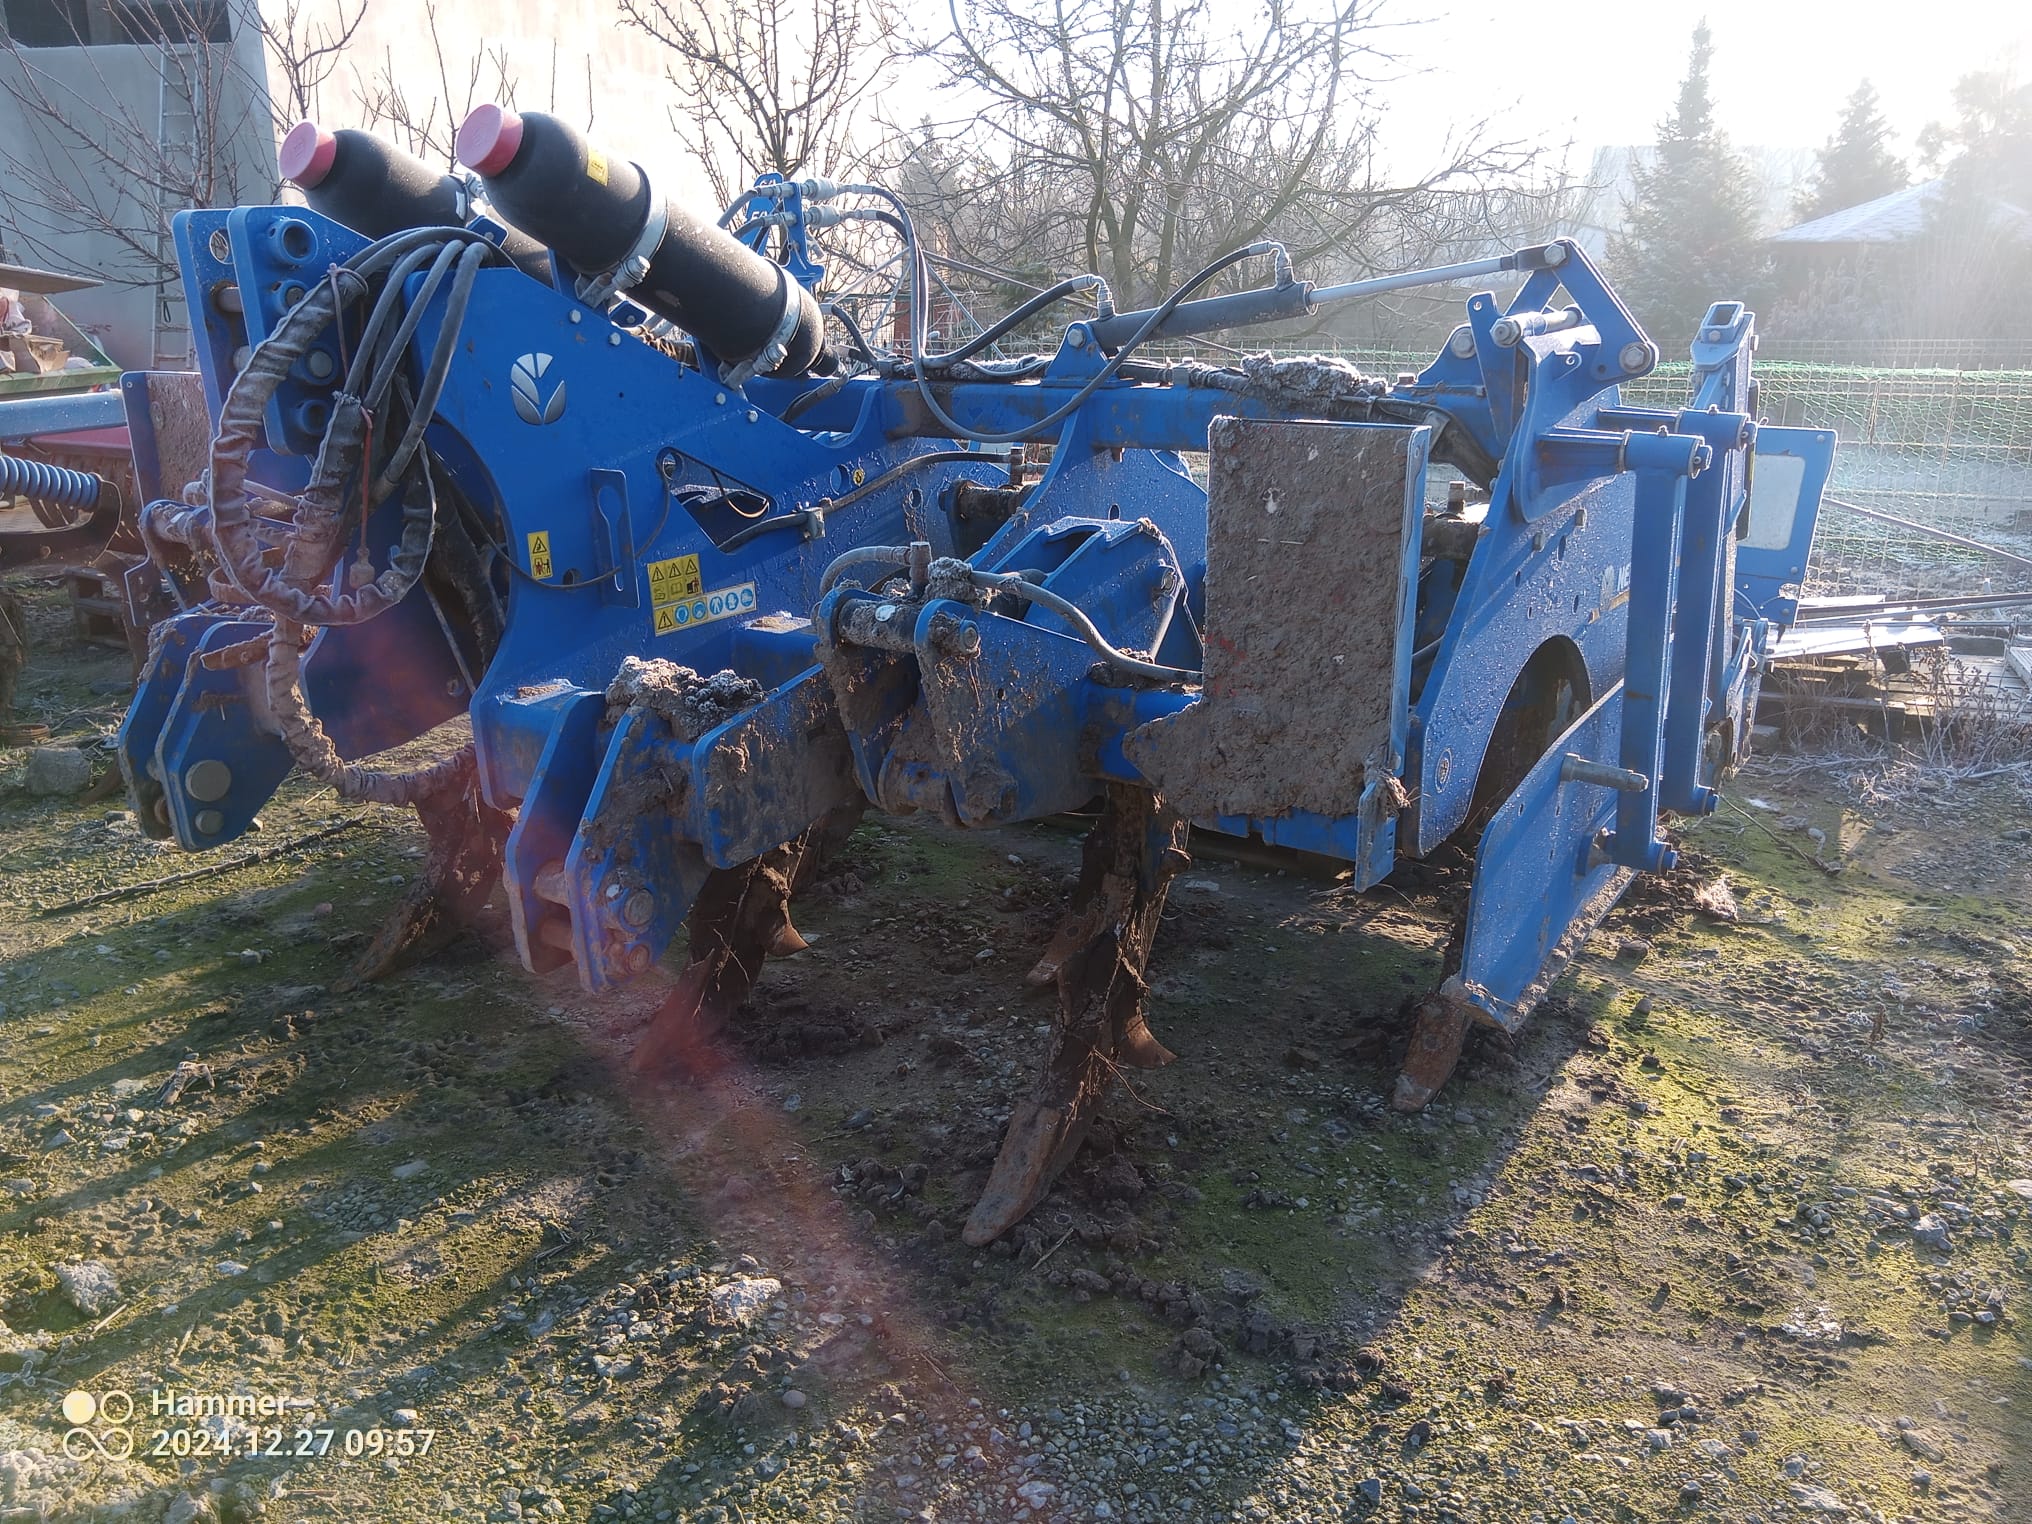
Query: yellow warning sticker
x,y
596,166
721,603
673,580
539,555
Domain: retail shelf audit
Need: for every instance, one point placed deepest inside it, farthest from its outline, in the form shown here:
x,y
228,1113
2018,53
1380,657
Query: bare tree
x,y
769,84
1139,138
466,77
304,54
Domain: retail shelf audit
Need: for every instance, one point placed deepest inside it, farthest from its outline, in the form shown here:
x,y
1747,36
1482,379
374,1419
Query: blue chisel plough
x,y
702,608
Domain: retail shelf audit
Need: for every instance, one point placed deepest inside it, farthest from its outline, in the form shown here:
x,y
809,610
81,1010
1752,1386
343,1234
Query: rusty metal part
x,y
739,920
459,874
1439,1028
1437,1036
991,506
77,536
13,651
1097,958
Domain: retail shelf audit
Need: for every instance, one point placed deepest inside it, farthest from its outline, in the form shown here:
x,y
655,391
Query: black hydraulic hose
x,y
854,332
806,518
825,391
392,353
980,341
1020,586
1093,383
877,483
320,506
894,557
802,519
367,362
424,408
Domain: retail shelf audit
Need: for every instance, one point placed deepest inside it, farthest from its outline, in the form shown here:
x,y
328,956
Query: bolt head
x,y
208,781
640,908
575,317
209,822
1635,357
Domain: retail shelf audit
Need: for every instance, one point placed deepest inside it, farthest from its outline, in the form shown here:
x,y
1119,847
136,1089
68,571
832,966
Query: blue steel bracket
x,y
1788,474
763,777
629,880
1475,376
1541,883
603,865
170,652
978,716
1006,720
1654,601
547,819
216,758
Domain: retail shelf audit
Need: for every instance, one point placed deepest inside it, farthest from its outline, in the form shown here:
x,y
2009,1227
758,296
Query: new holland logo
x,y
531,404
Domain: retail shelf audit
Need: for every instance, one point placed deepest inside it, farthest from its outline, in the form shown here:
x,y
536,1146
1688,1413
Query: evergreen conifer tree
x,y
1690,225
1857,164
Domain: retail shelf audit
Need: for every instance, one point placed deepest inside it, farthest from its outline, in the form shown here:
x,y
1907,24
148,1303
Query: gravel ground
x,y
1735,1230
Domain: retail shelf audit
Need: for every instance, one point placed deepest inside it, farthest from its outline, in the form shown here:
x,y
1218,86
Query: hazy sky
x,y
1607,74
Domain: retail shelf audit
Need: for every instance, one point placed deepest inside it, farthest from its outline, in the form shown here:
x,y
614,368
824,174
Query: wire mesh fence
x,y
1943,449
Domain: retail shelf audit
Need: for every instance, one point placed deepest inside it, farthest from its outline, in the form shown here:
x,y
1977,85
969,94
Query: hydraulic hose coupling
x,y
605,220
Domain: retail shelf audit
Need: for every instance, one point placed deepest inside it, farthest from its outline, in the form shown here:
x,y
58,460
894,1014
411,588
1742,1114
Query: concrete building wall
x,y
107,124
411,69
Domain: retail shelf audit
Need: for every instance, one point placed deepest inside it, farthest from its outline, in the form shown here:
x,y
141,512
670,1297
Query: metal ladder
x,y
176,135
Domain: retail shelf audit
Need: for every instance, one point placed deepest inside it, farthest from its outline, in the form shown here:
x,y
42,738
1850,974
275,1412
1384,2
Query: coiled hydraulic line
x,y
54,486
373,446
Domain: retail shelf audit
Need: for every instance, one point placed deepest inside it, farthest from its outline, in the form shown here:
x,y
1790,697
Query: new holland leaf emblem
x,y
534,402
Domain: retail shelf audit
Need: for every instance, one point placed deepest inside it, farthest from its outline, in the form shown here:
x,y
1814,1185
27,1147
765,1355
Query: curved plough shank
x,y
740,918
1097,959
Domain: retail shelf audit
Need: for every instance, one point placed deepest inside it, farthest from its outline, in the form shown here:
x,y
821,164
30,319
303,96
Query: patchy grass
x,y
1694,1173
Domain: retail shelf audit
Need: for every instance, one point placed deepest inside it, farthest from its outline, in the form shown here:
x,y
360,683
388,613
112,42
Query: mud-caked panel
x,y
1312,550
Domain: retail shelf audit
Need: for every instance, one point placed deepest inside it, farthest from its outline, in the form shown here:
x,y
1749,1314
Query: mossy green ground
x,y
446,1196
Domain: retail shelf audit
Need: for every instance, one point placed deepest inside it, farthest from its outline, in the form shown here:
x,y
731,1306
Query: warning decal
x,y
673,580
539,555
706,607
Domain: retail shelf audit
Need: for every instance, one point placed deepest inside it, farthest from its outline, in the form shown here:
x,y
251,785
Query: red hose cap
x,y
488,139
307,154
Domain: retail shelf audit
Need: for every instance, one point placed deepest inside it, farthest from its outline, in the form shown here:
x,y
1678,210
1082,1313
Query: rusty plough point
x,y
740,919
1100,952
460,870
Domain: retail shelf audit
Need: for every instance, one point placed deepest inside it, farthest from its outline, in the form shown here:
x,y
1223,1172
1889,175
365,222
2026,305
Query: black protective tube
x,y
591,207
376,189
